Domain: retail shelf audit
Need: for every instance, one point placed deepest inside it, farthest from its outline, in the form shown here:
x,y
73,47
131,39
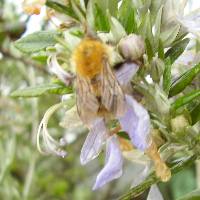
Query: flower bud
x,y
132,47
157,68
179,123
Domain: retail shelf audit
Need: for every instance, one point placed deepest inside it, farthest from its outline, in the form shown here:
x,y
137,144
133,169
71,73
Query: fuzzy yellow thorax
x,y
89,56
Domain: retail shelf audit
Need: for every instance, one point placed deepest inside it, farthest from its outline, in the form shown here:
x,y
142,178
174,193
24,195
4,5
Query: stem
x,y
27,62
29,178
152,179
198,173
35,122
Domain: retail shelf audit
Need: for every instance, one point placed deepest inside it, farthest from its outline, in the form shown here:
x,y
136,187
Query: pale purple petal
x,y
141,176
113,166
94,141
136,123
55,68
154,193
126,72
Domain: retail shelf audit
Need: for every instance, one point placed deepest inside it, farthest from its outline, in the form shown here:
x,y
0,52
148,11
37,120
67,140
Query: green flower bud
x,y
131,47
179,124
157,69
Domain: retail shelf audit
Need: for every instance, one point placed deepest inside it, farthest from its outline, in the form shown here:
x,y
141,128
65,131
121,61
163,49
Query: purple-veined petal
x,y
113,166
136,123
55,68
126,72
94,141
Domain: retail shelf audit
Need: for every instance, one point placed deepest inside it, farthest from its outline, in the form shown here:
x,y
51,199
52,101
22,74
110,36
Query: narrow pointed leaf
x,y
157,26
90,16
167,76
177,49
161,53
127,16
170,35
185,99
36,41
145,28
194,195
195,114
77,11
117,29
101,20
61,8
41,89
149,49
184,80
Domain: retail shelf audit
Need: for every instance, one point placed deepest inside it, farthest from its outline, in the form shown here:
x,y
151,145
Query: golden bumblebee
x,y
98,91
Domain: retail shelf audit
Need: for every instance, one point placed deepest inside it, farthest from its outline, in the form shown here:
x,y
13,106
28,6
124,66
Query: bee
x,y
98,91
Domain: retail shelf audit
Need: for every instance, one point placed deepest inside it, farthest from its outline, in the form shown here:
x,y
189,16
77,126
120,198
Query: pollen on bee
x,y
88,57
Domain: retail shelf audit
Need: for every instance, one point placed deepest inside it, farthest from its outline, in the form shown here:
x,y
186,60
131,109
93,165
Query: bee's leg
x,y
162,170
125,145
115,130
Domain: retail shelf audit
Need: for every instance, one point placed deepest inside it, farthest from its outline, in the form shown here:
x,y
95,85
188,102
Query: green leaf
x,y
90,16
185,99
157,26
79,13
86,2
161,53
101,19
184,80
41,89
149,49
194,195
145,28
195,114
127,16
167,77
113,7
61,8
169,36
177,49
108,5
154,8
116,29
41,57
36,41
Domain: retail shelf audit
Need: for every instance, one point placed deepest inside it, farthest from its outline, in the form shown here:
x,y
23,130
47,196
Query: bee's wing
x,y
87,103
112,96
